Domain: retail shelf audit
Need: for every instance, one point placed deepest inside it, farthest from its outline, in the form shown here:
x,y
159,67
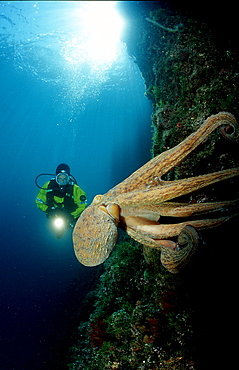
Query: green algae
x,y
191,80
136,321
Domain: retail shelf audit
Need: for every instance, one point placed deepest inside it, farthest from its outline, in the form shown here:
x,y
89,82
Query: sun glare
x,y
98,27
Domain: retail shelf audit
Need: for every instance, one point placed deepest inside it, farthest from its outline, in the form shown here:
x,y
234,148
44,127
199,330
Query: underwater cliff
x,y
139,316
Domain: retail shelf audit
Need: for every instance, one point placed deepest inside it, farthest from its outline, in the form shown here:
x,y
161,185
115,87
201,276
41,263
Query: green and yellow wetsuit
x,y
72,198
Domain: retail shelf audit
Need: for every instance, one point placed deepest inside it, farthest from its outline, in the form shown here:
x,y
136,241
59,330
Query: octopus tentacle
x,y
175,209
171,230
175,261
229,132
152,235
151,232
164,162
173,189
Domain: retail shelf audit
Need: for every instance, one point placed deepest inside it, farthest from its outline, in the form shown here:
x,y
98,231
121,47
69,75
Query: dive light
x,y
59,223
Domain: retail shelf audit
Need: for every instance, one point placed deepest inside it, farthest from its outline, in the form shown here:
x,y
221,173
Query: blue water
x,y
93,117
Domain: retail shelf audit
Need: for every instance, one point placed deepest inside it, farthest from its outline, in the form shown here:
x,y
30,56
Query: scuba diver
x,y
61,199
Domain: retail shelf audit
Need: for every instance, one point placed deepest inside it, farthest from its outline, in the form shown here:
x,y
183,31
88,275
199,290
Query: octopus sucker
x,y
138,204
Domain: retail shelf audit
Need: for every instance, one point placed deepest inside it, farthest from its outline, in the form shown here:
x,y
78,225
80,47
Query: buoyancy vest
x,y
53,190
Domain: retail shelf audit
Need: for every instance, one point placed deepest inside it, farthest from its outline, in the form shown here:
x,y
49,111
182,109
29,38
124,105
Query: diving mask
x,y
62,178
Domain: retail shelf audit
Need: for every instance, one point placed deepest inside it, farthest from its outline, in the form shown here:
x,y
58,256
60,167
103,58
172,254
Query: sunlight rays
x,y
98,27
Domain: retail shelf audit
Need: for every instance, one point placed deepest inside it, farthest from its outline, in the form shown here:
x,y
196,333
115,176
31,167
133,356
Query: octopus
x,y
137,204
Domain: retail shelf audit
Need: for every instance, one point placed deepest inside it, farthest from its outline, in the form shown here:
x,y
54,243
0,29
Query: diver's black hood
x,y
63,167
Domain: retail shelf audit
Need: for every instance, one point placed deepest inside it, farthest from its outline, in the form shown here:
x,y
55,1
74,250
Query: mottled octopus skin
x,y
88,233
136,204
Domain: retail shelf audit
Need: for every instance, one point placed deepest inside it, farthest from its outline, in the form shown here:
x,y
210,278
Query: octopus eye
x,y
94,236
97,199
